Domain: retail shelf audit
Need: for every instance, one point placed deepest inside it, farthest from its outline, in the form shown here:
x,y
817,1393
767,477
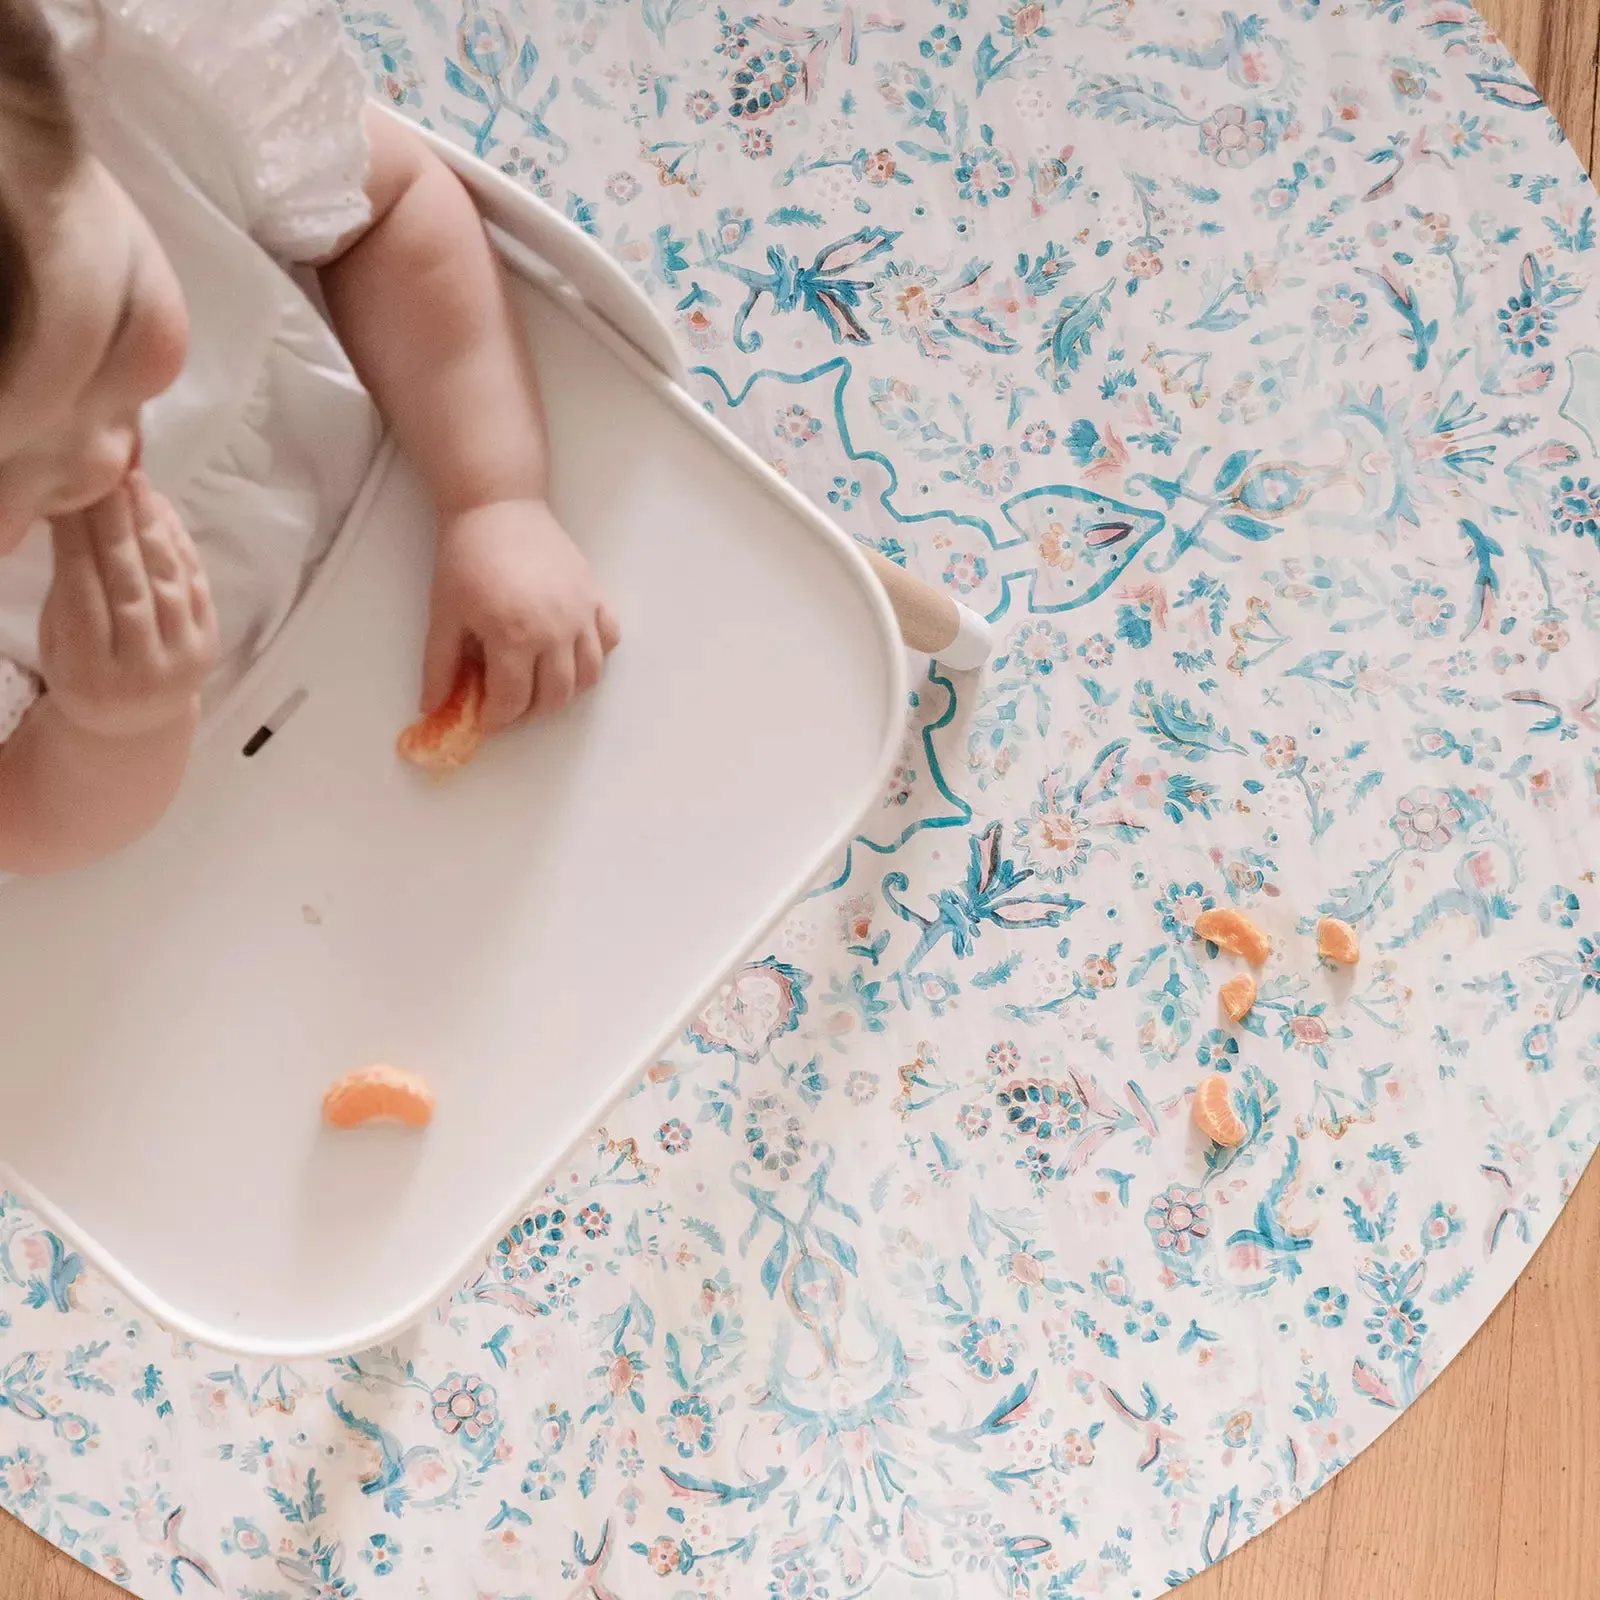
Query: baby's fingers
x,y
508,685
201,610
589,658
172,588
185,614
76,604
441,654
557,678
179,600
114,536
160,534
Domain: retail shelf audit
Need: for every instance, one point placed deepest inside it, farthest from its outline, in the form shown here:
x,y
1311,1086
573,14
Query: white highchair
x,y
528,935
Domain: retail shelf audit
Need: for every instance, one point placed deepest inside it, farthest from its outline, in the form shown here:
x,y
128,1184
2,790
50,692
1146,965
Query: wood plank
x,y
31,1569
1288,1560
1592,155
1551,1513
1518,23
1556,43
1569,39
1415,1517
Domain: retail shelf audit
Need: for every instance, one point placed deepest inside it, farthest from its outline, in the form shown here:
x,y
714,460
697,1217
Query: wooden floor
x,y
1468,1496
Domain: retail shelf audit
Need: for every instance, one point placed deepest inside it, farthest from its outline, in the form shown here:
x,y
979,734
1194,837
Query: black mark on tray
x,y
275,722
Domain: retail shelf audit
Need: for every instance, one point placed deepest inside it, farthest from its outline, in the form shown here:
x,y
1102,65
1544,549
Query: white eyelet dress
x,y
235,126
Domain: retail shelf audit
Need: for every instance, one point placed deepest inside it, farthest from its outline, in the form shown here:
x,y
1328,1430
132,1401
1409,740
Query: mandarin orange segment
x,y
1214,1115
1238,995
1337,941
1234,932
448,737
378,1093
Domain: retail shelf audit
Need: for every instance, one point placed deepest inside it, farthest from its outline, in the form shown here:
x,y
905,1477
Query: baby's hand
x,y
127,633
508,578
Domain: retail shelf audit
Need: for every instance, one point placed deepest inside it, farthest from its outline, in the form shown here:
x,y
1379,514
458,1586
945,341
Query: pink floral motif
x,y
855,918
1280,751
1147,784
1099,972
880,168
1425,819
1179,1219
1308,1030
464,1405
1232,137
764,1000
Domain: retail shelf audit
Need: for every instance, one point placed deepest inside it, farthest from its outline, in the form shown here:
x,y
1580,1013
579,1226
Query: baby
x,y
181,431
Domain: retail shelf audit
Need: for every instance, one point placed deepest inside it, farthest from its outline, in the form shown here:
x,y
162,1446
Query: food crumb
x,y
311,916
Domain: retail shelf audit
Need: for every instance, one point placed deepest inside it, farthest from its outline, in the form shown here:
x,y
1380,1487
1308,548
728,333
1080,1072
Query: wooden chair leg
x,y
930,621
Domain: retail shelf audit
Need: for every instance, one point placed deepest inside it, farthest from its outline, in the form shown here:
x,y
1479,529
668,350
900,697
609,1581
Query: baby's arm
x,y
69,797
126,638
417,300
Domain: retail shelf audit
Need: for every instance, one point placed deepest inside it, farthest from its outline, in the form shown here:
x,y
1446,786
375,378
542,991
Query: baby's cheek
x,y
159,343
169,349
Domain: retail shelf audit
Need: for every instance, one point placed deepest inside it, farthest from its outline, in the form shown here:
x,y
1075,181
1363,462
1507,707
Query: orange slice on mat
x,y
1214,1115
378,1093
1338,941
1235,933
1238,995
448,737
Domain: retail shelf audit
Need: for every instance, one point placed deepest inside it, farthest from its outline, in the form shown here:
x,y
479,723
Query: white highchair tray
x,y
528,934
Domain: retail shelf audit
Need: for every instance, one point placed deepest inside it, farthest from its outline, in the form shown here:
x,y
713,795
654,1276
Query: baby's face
x,y
110,333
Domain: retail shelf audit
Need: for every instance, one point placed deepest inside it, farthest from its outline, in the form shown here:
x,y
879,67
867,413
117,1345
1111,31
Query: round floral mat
x,y
1241,364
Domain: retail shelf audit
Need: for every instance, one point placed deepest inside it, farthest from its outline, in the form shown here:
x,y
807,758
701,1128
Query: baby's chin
x,y
89,489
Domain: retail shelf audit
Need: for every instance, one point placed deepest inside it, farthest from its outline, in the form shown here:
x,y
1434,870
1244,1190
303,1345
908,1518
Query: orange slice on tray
x,y
1214,1115
1235,933
449,736
378,1093
1338,941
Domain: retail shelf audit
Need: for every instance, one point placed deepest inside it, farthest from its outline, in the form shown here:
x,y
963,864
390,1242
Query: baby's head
x,y
92,321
